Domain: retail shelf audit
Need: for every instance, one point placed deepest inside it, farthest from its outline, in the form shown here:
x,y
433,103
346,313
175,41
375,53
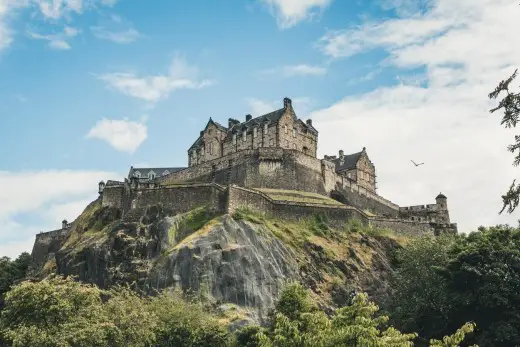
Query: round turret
x,y
101,187
64,224
442,200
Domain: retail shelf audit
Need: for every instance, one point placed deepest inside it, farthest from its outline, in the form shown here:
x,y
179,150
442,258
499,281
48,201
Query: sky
x,y
90,87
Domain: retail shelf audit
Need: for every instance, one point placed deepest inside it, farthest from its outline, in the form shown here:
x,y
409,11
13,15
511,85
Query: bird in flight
x,y
416,163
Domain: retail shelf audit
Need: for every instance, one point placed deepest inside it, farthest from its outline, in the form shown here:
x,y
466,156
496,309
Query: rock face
x,y
220,258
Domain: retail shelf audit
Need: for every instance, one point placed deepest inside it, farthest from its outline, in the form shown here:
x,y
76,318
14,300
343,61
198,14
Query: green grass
x,y
298,196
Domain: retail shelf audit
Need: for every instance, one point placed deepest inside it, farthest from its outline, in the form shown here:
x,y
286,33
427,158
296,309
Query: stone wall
x,y
406,228
45,245
114,196
289,210
181,198
352,194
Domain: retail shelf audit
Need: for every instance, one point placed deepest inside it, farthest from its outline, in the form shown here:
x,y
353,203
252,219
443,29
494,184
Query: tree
x,y
11,271
62,312
355,325
510,105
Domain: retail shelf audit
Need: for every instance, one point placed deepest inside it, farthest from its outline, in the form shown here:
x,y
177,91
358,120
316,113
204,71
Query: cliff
x,y
243,258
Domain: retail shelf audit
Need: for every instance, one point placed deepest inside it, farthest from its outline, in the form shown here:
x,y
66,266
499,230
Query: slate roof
x,y
271,118
348,163
158,171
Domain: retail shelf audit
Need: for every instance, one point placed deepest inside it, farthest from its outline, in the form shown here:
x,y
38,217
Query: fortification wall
x,y
45,245
407,228
259,202
182,198
352,194
114,196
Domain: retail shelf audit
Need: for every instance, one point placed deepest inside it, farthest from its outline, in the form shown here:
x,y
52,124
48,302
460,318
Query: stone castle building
x,y
269,164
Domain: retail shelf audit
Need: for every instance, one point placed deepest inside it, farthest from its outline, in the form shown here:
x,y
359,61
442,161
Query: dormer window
x,y
166,172
151,175
137,174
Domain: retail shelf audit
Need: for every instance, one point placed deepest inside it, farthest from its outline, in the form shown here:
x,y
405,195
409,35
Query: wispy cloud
x,y
153,88
57,41
44,198
289,12
295,70
440,116
116,29
125,36
123,135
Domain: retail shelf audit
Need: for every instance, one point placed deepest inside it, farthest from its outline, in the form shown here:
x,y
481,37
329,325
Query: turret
x,y
64,224
442,201
101,187
443,215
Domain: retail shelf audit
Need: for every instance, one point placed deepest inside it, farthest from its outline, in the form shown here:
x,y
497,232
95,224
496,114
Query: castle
x,y
269,164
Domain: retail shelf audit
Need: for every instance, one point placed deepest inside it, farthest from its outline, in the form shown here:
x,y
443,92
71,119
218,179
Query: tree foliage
x,y
11,271
510,106
444,282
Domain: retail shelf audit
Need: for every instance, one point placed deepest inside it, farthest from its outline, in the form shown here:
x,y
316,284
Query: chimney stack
x,y
248,117
201,133
287,103
309,122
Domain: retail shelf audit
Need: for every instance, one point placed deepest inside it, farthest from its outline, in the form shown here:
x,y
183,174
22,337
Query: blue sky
x,y
88,88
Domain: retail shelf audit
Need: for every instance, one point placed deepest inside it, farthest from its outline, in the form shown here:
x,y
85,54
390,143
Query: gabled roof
x,y
158,171
272,117
218,125
348,162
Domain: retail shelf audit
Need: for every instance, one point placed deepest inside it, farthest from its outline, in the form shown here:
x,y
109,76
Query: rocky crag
x,y
241,259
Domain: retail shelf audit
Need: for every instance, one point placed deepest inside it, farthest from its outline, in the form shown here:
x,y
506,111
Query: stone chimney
x,y
248,117
201,132
309,122
64,224
287,103
232,122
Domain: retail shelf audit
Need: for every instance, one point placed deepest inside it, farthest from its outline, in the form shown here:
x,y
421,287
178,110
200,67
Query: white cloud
x,y
44,198
157,87
296,70
116,29
289,12
465,48
57,41
123,37
55,10
124,135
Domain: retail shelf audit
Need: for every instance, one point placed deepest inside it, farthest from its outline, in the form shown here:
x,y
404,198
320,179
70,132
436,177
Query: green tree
x,y
510,105
354,325
61,312
420,301
186,324
12,271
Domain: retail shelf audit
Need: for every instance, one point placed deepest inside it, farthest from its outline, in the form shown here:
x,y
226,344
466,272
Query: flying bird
x,y
416,163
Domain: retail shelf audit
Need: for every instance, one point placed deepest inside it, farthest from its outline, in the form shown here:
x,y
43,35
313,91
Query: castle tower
x,y
443,215
64,224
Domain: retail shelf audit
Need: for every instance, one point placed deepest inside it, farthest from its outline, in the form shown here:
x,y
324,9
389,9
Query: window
x,y
244,135
166,172
255,132
234,138
265,128
137,174
210,148
287,143
271,142
294,132
151,175
285,129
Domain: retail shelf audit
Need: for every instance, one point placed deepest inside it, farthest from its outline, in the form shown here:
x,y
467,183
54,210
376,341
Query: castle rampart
x,y
46,244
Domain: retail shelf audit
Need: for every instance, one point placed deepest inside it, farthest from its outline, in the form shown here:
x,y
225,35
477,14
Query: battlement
x,y
428,207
